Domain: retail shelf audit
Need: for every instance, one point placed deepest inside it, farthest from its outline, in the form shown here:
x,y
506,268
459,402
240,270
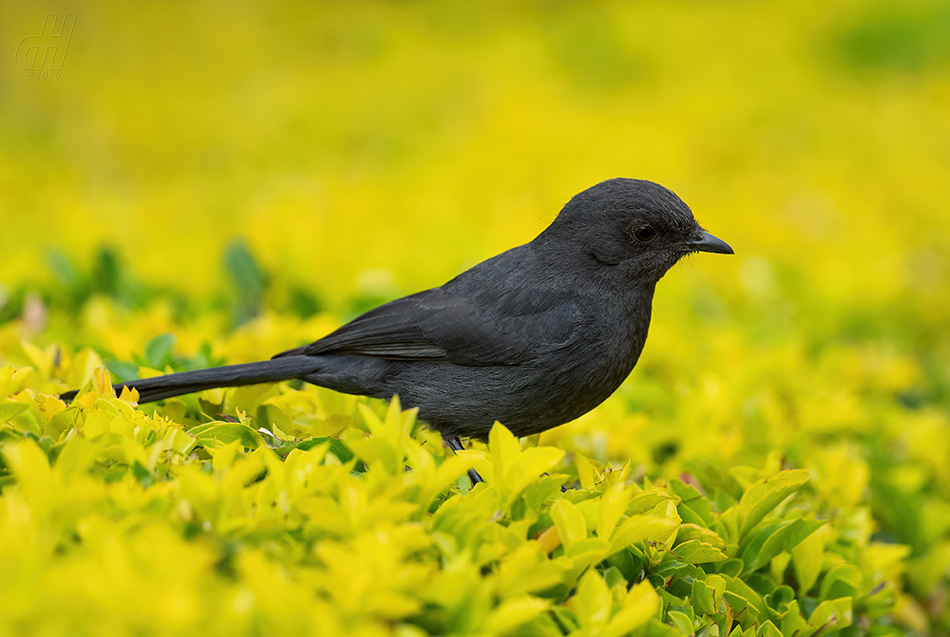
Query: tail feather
x,y
269,371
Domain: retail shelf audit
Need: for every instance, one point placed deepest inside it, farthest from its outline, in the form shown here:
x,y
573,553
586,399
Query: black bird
x,y
533,337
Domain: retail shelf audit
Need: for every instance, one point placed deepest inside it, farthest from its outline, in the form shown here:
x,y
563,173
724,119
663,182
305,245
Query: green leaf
x,y
180,441
10,410
681,622
656,628
215,433
779,599
29,419
831,615
64,269
697,504
248,277
697,552
566,618
732,567
614,578
843,580
336,446
542,490
142,474
121,370
768,629
303,302
768,542
703,597
744,595
271,416
158,351
106,272
793,623
758,501
708,594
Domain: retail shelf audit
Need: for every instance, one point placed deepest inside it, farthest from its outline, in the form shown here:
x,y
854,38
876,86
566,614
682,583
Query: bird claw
x,y
455,445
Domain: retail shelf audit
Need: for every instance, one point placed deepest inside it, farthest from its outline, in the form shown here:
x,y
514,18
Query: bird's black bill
x,y
708,243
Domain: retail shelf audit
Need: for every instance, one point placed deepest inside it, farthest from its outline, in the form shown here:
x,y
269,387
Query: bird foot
x,y
456,445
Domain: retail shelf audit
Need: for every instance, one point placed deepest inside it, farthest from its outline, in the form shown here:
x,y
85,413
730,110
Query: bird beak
x,y
705,242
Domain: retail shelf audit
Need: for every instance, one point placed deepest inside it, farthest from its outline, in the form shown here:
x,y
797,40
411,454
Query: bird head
x,y
636,227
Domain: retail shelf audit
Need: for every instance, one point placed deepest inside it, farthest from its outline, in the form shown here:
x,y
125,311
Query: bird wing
x,y
505,327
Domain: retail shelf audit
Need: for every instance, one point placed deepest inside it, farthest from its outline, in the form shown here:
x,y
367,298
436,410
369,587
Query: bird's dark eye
x,y
644,233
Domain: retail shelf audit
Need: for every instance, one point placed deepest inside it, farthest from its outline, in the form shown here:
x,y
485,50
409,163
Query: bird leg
x,y
456,445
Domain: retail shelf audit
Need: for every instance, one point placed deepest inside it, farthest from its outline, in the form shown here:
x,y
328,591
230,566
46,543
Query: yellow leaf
x,y
550,539
569,521
527,467
223,456
592,603
695,532
82,367
504,450
449,471
11,380
378,452
32,470
75,458
585,471
95,424
103,382
43,360
639,528
515,612
613,503
527,570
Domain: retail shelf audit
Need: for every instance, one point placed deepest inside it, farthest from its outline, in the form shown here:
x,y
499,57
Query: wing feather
x,y
493,328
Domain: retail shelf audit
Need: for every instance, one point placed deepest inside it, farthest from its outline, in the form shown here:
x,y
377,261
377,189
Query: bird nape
x,y
533,337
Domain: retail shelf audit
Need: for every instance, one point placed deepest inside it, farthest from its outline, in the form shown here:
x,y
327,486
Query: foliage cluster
x,y
322,514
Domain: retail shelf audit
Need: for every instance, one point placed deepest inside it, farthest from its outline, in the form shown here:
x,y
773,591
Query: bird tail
x,y
269,371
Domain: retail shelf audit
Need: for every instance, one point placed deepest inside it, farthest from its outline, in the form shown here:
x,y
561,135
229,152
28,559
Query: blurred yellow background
x,y
420,138
249,175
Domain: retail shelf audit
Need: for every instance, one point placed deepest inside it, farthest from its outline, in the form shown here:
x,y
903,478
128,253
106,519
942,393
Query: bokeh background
x,y
246,176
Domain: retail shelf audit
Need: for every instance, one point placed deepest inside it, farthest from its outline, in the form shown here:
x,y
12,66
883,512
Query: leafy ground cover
x,y
294,509
129,522
205,186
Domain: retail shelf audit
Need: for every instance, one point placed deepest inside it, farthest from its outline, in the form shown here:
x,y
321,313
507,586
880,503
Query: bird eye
x,y
644,233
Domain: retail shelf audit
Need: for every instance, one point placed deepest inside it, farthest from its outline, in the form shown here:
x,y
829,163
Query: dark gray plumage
x,y
533,337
